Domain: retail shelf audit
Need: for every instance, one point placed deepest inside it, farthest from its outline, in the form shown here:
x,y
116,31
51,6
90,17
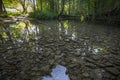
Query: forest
x,y
59,39
107,11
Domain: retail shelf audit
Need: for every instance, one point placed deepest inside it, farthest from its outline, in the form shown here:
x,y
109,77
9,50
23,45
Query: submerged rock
x,y
113,71
47,78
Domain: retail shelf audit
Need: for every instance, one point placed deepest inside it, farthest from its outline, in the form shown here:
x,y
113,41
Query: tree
x,y
34,5
2,7
62,7
41,5
23,3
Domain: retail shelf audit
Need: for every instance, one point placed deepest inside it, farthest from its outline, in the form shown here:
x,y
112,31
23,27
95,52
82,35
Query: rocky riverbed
x,y
88,53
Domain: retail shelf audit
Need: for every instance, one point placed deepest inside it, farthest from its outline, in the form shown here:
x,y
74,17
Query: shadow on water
x,y
30,49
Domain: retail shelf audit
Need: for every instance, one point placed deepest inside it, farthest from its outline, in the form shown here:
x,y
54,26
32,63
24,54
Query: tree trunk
x,y
63,4
23,3
41,5
34,5
2,7
56,7
52,5
24,7
94,11
69,8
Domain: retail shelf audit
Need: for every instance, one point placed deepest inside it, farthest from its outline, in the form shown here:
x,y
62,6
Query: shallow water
x,y
30,49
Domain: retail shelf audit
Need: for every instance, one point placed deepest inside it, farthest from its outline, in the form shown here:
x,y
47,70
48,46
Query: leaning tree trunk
x,y
24,7
2,7
23,3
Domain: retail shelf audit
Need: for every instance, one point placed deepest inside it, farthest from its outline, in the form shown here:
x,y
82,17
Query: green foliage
x,y
3,15
50,9
13,13
9,14
9,3
43,14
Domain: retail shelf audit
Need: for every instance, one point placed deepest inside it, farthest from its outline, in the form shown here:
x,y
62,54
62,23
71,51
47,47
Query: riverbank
x,y
103,21
14,18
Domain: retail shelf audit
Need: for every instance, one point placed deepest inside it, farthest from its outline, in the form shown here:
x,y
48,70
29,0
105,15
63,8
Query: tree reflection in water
x,y
34,47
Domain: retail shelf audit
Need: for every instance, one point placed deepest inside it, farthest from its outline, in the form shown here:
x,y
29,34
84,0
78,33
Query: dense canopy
x,y
90,9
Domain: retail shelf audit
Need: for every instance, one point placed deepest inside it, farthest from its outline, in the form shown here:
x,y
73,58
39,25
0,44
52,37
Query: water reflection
x,y
95,51
25,31
58,73
33,45
66,32
73,37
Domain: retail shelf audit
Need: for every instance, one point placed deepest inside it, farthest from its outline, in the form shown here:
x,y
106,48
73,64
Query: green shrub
x,y
4,15
13,13
43,14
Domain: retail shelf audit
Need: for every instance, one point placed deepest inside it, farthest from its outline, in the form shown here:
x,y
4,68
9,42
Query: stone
x,y
73,77
108,64
90,65
96,57
58,52
72,65
85,74
77,53
35,69
112,70
45,68
51,61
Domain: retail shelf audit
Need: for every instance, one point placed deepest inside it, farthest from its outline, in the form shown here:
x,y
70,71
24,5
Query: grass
x,y
9,14
43,14
14,13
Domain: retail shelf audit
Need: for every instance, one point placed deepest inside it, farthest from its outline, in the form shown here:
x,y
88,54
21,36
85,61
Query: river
x,y
30,50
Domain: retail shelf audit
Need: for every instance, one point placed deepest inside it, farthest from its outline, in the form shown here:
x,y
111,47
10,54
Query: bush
x,y
14,13
9,14
43,14
4,15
